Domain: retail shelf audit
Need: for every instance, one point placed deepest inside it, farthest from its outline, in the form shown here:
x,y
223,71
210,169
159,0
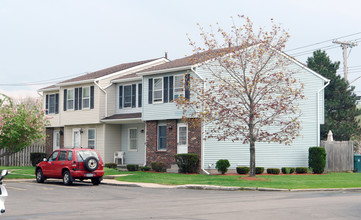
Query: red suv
x,y
71,164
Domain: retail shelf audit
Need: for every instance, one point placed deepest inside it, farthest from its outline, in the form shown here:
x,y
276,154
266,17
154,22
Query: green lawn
x,y
331,180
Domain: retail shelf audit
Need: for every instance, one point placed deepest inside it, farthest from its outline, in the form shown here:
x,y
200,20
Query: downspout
x,y
145,125
203,126
106,97
318,113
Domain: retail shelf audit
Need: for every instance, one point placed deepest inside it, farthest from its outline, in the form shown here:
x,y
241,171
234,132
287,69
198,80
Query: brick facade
x,y
167,157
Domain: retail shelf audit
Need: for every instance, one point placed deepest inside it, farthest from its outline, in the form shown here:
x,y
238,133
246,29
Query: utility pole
x,y
345,45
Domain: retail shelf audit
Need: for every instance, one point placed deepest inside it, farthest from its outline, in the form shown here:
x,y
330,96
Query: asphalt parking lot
x,y
52,200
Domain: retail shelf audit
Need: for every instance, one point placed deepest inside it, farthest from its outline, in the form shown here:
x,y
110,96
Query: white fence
x,y
21,158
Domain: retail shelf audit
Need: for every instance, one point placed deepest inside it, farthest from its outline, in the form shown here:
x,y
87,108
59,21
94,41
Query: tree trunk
x,y
252,159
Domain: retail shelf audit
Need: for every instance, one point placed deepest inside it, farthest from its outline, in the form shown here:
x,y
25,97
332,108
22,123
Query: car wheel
x,y
67,179
91,164
96,181
39,176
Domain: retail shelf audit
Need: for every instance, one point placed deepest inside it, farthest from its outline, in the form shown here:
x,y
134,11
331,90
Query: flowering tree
x,y
249,95
20,124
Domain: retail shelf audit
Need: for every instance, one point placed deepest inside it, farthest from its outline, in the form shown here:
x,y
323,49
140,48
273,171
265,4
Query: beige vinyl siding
x,y
111,91
112,141
54,119
274,154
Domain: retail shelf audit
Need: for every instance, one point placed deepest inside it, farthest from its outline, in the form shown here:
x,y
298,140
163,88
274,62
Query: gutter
x,y
203,126
106,98
318,112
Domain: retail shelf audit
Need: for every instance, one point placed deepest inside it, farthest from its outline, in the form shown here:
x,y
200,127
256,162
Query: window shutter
x,y
65,98
170,88
150,91
47,104
139,95
165,89
91,97
76,98
56,103
80,98
134,95
187,85
120,97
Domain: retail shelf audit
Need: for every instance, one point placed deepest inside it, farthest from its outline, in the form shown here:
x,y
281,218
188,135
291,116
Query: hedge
x,y
287,170
111,165
158,166
187,163
317,159
301,170
242,170
273,171
222,165
37,157
259,170
132,167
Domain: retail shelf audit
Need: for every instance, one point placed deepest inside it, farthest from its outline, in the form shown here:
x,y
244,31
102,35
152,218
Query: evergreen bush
x,y
158,166
242,170
288,170
37,157
301,170
222,165
259,170
273,171
317,159
111,165
187,163
132,167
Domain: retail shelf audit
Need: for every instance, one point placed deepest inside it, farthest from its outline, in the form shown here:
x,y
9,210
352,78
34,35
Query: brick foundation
x,y
167,157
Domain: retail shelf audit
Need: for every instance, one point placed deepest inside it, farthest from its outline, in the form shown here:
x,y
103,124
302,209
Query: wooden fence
x,y
22,158
340,156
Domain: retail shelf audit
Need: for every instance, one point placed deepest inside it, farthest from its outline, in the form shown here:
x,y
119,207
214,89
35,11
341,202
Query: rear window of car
x,y
83,154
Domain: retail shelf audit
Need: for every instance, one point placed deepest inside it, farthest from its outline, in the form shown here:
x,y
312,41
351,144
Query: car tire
x,y
96,181
67,179
39,176
91,164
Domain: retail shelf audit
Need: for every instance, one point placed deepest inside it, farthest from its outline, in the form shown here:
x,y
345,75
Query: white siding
x,y
274,154
159,111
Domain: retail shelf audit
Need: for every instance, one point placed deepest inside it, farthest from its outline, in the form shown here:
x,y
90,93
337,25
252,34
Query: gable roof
x,y
89,77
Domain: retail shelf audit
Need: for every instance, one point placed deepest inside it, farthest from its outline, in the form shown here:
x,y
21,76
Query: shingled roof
x,y
107,71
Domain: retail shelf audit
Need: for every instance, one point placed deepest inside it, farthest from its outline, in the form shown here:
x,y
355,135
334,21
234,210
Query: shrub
x,y
301,169
222,166
288,170
273,171
187,163
145,168
158,166
37,157
111,165
242,170
317,159
259,170
132,167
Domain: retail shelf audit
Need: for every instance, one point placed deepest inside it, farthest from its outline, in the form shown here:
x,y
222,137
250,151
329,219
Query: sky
x,y
44,42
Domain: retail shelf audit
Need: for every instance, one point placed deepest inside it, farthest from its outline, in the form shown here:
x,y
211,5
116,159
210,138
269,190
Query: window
x,y
52,104
86,97
53,156
178,86
91,138
56,139
158,90
162,137
133,139
70,99
127,96
70,156
182,135
62,156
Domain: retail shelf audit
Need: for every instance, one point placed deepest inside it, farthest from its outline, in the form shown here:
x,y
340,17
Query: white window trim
x,y
72,139
67,100
158,142
95,136
182,125
136,139
82,98
183,90
158,102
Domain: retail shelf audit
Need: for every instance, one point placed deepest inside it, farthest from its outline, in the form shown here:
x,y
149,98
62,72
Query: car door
x,y
59,164
48,167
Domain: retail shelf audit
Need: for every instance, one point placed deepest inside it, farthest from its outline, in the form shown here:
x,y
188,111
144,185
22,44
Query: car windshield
x,y
83,154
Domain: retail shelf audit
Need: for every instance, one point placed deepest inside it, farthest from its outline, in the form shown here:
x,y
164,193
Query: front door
x,y
56,139
76,137
182,142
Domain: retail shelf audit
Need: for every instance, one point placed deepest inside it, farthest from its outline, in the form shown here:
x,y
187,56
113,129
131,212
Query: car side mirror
x,y
44,159
4,173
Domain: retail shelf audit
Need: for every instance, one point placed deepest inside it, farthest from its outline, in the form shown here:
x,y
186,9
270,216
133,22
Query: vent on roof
x,y
166,55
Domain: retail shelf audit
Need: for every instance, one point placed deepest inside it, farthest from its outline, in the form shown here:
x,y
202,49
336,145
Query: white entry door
x,y
76,137
56,139
182,142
